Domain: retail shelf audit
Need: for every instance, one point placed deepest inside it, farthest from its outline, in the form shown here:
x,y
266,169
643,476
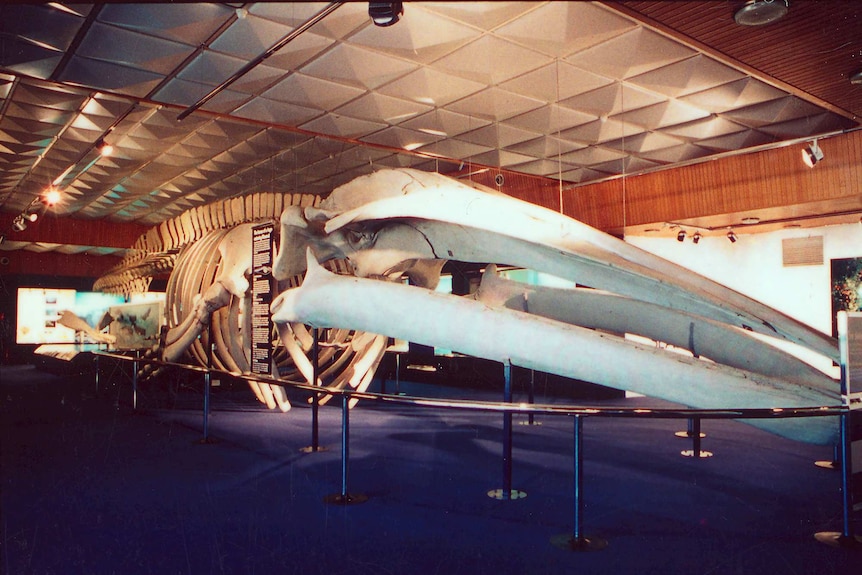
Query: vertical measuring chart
x,y
261,293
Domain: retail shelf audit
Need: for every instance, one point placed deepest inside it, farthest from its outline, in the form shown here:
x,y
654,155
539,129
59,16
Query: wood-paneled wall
x,y
735,184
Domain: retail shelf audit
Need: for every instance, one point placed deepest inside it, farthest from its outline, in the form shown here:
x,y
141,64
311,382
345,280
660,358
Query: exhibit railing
x,y
575,540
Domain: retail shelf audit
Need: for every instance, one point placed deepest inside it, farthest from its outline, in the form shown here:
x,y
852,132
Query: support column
x,y
506,492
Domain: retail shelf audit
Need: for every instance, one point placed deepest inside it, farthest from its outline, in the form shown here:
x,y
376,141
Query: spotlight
x,y
385,13
19,224
760,12
696,237
105,149
731,236
812,154
33,216
51,197
680,236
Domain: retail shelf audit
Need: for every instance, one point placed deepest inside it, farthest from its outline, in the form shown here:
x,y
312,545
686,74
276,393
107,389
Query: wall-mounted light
x,y
680,237
812,154
385,13
731,236
696,237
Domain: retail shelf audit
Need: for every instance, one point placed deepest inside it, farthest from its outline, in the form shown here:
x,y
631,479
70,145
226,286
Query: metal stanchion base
x,y
339,499
687,434
570,543
503,495
690,453
312,449
206,441
828,465
836,539
528,422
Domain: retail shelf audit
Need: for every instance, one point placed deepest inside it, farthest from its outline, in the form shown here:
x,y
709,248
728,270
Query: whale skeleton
x,y
394,222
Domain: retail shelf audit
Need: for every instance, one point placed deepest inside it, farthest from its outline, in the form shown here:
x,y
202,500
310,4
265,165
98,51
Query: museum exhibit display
x,y
398,229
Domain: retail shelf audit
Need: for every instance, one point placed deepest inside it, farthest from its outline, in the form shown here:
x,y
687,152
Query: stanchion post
x,y
696,436
576,541
135,382
315,397
96,370
345,498
531,398
506,492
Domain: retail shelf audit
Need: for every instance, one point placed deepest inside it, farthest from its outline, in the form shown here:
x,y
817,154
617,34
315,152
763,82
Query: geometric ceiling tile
x,y
444,123
270,111
500,158
191,23
52,27
807,126
109,76
736,141
555,82
611,99
494,104
562,28
551,119
546,168
591,155
626,165
691,75
484,15
51,97
480,60
644,142
708,127
248,37
682,153
377,107
357,67
737,94
452,148
23,57
660,115
782,109
497,135
312,92
421,39
299,51
630,54
109,43
336,25
545,147
429,86
342,126
600,130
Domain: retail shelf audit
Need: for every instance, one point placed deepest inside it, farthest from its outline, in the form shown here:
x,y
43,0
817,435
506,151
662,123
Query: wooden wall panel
x,y
735,184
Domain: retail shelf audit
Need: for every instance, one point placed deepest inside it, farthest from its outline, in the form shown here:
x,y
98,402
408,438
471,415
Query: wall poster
x,y
261,290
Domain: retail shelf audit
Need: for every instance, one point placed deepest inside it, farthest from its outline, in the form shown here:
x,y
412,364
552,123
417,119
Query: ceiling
x,y
570,91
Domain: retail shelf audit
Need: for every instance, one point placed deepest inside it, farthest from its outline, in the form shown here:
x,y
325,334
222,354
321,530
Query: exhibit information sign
x,y
850,344
261,290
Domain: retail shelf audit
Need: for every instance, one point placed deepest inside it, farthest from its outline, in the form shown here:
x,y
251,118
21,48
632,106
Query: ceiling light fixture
x,y
761,12
51,197
812,154
680,237
750,220
385,13
731,236
856,78
696,237
104,148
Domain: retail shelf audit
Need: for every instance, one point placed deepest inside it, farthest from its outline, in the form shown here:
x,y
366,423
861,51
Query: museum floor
x,y
90,488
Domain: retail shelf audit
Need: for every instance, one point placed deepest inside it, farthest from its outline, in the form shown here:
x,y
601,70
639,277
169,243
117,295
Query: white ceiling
x,y
564,90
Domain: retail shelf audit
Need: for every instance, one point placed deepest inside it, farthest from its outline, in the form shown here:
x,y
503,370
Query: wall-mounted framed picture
x,y
846,287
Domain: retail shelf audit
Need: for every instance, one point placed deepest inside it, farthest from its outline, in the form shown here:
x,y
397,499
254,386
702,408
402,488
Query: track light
x,y
385,13
19,224
731,236
680,236
696,237
760,12
812,154
51,197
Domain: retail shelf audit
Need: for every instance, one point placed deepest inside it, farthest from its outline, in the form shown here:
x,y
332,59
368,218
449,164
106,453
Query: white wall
x,y
753,266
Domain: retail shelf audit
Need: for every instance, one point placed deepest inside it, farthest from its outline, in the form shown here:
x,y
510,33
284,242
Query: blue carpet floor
x,y
90,487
